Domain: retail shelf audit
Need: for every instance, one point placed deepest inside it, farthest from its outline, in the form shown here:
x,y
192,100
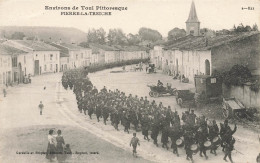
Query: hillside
x,y
56,33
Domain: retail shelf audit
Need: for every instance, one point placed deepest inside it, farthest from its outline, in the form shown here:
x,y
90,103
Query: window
x,y
56,56
24,59
14,62
45,67
44,58
51,67
213,80
51,56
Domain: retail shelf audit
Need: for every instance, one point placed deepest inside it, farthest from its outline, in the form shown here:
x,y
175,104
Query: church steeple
x,y
193,24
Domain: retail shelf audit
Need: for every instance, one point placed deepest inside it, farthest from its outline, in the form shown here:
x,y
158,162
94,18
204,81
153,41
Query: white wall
x,y
110,56
185,62
27,63
45,60
5,67
64,63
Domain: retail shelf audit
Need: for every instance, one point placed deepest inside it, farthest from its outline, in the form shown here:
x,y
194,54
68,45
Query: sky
x,y
161,15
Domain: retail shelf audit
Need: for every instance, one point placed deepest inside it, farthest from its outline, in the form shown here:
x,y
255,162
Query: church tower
x,y
193,24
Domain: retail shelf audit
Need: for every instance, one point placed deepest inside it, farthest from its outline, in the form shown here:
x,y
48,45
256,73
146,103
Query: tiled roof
x,y
103,47
135,48
36,45
6,50
71,46
203,43
64,52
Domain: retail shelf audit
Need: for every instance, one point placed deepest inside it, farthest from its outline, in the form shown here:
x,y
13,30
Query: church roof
x,y
193,15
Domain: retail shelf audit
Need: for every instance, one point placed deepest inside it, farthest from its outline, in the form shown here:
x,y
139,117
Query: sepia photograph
x,y
129,81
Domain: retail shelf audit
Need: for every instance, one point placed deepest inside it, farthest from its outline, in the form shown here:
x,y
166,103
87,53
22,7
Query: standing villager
x,y
134,141
59,148
4,92
51,149
41,106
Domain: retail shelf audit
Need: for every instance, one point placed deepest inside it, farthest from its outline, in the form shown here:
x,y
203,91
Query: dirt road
x,y
20,116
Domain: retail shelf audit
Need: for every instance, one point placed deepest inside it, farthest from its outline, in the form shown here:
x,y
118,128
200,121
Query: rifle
x,y
239,152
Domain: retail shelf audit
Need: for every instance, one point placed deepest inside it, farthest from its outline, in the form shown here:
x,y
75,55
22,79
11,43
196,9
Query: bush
x,y
237,75
99,67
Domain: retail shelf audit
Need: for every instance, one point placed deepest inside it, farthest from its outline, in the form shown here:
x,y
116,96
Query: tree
x,y
208,32
255,27
17,36
101,36
149,34
242,28
133,39
176,33
96,36
234,27
116,37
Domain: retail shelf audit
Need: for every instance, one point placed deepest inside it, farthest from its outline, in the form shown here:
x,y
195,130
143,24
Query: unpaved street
x,y
22,128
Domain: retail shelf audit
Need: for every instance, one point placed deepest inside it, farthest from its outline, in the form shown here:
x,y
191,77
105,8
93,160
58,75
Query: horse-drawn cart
x,y
233,108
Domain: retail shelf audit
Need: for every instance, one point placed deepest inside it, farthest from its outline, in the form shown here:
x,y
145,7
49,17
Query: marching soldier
x,y
229,147
202,138
213,132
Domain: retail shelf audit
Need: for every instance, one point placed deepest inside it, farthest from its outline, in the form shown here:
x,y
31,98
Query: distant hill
x,y
68,35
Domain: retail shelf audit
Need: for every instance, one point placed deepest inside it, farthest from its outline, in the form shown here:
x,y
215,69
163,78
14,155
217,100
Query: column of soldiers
x,y
194,132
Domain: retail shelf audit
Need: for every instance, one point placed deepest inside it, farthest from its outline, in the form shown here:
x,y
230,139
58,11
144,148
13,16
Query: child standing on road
x,y
134,142
4,92
40,107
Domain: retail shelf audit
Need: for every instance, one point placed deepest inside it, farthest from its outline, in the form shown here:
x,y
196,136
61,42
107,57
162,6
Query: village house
x,y
105,53
45,58
198,55
86,52
94,57
73,56
133,52
9,66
